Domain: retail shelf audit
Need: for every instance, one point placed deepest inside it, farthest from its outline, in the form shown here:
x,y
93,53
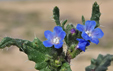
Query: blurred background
x,y
27,19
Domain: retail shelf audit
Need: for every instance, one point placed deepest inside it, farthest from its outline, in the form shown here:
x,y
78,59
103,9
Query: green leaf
x,y
101,63
83,20
64,24
56,15
65,67
46,59
96,14
46,69
35,50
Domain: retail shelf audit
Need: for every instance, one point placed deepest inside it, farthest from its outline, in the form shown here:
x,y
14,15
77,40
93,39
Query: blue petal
x,y
97,33
80,40
85,36
48,34
82,46
87,43
57,29
58,45
83,41
80,27
62,35
47,43
90,25
95,40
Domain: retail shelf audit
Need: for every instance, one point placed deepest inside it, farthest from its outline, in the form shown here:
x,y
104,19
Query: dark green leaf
x,y
101,63
46,59
65,67
35,50
56,15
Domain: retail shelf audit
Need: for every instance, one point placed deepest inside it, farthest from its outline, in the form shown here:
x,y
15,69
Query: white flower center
x,y
88,33
55,40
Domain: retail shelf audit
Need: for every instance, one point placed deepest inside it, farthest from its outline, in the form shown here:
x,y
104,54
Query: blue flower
x,y
82,44
54,38
89,32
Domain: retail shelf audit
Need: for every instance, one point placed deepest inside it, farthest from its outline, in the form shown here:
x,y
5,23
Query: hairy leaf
x,y
56,15
46,59
65,67
64,24
101,63
96,14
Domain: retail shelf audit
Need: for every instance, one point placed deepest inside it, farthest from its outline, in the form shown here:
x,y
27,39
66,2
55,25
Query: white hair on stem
x,y
34,34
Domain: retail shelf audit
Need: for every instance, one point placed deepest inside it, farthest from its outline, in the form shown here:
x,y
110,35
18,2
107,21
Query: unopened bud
x,y
73,31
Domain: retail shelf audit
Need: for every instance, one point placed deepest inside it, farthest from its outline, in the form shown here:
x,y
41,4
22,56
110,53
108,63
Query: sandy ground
x,y
11,13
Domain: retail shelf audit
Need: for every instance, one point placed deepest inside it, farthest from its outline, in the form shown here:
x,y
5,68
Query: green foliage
x,y
65,67
46,59
101,63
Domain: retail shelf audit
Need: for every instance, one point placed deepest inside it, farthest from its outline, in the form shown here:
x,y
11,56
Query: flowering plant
x,y
49,55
